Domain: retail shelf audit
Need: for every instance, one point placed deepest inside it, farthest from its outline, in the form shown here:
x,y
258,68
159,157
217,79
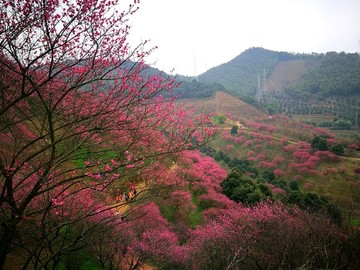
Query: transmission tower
x,y
264,79
194,63
259,96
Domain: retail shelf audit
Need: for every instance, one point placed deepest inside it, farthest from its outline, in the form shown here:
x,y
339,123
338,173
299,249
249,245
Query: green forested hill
x,y
240,75
289,83
327,74
337,75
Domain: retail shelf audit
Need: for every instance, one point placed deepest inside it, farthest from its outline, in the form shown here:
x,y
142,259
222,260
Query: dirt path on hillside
x,y
121,208
121,205
351,158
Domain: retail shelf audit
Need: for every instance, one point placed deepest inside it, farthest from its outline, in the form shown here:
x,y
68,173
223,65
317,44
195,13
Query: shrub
x,y
338,149
290,148
326,155
278,173
309,185
278,192
294,185
278,160
229,147
219,119
266,164
320,143
234,130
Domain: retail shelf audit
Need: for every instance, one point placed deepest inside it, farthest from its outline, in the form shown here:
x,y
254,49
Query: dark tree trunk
x,y
8,234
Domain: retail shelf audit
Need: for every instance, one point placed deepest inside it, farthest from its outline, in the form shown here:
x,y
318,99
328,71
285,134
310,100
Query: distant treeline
x,y
196,89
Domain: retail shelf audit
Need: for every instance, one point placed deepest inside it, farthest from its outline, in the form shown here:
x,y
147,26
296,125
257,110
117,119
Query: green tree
x,y
338,149
269,175
313,202
231,182
234,130
342,124
319,143
294,185
219,119
244,190
265,189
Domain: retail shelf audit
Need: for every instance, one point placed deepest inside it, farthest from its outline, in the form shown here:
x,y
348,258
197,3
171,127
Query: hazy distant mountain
x,y
186,87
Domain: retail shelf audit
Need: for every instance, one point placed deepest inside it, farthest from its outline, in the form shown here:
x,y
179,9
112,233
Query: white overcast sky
x,y
195,35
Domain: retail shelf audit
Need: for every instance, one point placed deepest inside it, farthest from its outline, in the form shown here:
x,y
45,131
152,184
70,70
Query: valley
x,y
107,163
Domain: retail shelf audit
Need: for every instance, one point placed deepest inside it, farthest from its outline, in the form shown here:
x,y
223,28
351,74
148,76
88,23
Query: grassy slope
x,y
223,103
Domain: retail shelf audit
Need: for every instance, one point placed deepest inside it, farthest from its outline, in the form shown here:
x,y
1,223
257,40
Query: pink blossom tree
x,y
144,236
77,111
54,232
267,236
